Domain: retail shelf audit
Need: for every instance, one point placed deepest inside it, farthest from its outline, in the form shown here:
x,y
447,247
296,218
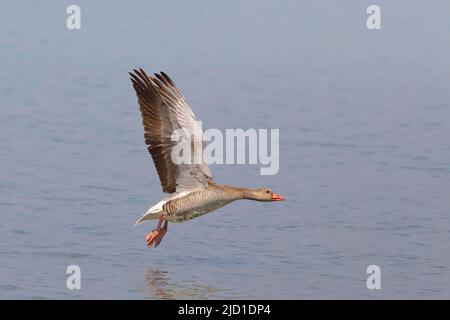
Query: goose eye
x,y
267,191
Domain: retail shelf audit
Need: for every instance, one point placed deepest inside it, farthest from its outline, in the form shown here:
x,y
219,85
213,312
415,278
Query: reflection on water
x,y
160,286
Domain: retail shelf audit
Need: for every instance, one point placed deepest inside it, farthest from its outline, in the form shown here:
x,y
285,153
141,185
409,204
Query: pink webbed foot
x,y
157,234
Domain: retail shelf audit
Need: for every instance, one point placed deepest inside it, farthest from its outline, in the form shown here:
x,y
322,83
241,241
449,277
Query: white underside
x,y
154,212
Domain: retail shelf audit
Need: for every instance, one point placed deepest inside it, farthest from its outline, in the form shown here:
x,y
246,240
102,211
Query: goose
x,y
191,189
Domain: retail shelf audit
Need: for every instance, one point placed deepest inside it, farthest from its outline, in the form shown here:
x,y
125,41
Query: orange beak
x,y
277,197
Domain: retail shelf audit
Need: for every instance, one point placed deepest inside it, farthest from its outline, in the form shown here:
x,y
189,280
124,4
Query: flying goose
x,y
191,188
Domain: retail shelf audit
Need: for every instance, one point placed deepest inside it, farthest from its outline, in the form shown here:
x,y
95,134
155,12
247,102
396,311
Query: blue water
x,y
364,121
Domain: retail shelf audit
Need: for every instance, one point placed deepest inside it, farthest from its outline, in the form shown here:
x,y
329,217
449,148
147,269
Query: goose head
x,y
263,194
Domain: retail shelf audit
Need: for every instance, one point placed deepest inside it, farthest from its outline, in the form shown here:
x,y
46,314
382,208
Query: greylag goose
x,y
191,188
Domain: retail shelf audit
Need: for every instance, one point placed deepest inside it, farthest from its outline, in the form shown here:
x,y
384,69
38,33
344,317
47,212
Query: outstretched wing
x,y
164,109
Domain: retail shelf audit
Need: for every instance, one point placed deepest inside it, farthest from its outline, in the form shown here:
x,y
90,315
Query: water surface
x,y
364,151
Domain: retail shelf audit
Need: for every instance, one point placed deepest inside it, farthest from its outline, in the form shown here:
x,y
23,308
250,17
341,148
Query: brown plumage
x,y
192,190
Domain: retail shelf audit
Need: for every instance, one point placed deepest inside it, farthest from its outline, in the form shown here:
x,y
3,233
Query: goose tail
x,y
152,214
148,216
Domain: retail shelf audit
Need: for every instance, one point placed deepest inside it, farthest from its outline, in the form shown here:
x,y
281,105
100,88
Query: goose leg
x,y
157,234
161,234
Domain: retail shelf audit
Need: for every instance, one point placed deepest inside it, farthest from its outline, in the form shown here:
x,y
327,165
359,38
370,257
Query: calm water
x,y
364,122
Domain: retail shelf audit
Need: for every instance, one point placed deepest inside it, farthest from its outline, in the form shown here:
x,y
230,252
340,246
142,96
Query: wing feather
x,y
164,109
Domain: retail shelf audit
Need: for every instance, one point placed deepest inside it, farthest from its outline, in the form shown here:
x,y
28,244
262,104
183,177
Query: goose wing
x,y
164,109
